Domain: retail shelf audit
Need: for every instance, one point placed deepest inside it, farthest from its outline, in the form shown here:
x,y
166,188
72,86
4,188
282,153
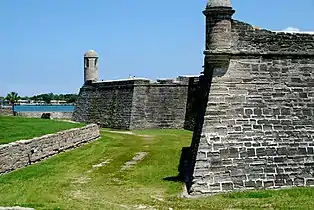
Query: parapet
x,y
179,81
250,40
137,103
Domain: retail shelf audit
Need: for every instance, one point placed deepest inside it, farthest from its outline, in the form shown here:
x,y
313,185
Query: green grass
x,y
53,183
17,128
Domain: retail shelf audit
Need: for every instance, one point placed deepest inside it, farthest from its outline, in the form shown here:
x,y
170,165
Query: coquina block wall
x,y
137,103
6,111
53,115
25,152
256,122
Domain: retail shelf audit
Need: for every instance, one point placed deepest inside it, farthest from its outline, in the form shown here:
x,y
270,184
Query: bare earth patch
x,y
79,195
140,206
84,178
146,137
70,121
81,180
138,157
94,167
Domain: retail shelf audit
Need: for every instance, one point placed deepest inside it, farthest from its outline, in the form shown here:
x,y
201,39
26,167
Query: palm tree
x,y
12,98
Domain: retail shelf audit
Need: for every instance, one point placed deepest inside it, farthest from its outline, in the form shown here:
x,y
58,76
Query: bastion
x,y
255,126
135,103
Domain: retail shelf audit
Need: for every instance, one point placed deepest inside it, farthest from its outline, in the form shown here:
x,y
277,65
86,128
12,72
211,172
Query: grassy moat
x,y
97,176
18,128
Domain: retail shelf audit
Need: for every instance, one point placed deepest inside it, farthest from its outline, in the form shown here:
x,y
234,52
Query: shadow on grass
x,y
177,178
184,169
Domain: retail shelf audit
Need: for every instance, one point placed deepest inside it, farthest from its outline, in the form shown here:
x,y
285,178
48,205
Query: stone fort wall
x,y
6,111
25,152
255,129
138,103
53,115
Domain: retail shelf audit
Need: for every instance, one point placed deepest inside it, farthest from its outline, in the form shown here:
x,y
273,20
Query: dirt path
x,y
137,158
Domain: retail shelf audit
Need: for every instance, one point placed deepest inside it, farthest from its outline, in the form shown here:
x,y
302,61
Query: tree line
x,y
13,97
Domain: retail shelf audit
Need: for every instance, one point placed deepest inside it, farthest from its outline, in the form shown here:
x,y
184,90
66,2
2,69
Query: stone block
x,y
251,152
249,184
299,181
310,182
268,184
215,187
227,186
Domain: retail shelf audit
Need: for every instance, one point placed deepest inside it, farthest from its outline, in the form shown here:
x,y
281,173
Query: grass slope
x,y
63,182
17,128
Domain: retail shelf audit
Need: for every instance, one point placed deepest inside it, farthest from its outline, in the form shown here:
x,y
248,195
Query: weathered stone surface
x,y
5,111
255,129
25,152
90,66
218,3
159,106
53,115
108,104
138,103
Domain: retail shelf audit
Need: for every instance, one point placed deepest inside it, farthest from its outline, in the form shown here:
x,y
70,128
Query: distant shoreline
x,y
41,108
44,104
9,106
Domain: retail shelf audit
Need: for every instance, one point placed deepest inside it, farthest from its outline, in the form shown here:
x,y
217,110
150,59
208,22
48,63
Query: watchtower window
x,y
86,63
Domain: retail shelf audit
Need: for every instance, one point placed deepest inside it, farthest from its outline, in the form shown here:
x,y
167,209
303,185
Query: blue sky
x,y
42,42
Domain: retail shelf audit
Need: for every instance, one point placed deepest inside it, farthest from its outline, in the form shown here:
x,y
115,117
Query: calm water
x,y
39,108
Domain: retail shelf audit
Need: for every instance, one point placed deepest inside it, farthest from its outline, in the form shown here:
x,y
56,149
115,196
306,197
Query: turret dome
x,y
218,3
91,54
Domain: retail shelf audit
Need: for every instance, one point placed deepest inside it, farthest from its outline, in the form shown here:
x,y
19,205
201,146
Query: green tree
x,y
36,98
47,98
72,98
12,98
25,98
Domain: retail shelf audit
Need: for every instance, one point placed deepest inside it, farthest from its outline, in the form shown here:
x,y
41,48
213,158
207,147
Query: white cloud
x,y
292,29
295,30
